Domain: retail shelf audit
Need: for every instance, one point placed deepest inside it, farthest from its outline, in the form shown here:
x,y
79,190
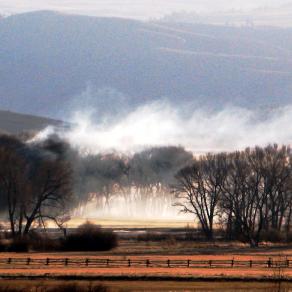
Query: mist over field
x,y
141,90
143,140
163,124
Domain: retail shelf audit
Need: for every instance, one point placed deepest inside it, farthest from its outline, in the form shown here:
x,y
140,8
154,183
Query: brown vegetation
x,y
35,185
249,193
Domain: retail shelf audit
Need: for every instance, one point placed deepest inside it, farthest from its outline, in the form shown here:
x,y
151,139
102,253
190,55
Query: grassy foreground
x,y
131,286
156,251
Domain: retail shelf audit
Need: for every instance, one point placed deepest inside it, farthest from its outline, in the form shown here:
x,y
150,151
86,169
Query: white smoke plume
x,y
160,124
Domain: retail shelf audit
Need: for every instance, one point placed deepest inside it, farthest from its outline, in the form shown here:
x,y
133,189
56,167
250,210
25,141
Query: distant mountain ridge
x,y
277,16
15,123
49,60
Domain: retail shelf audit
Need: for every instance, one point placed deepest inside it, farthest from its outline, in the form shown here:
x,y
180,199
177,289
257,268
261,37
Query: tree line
x,y
247,192
49,181
140,183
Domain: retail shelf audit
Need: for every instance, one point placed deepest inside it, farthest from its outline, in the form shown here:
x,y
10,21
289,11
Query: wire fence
x,y
148,263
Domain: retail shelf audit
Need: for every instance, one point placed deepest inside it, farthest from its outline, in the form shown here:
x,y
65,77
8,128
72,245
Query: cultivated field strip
x,y
116,263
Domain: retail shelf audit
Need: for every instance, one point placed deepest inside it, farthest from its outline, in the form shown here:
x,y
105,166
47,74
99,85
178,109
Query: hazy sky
x,y
141,9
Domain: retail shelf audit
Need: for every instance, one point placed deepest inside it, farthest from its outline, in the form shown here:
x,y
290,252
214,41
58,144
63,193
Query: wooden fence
x,y
148,263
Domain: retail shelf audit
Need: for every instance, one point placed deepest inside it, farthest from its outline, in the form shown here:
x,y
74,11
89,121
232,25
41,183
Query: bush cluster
x,y
87,237
90,237
63,287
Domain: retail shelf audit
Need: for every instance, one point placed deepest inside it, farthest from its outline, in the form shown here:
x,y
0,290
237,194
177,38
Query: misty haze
x,y
145,140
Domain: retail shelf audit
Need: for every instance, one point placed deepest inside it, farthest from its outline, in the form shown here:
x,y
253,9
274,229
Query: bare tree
x,y
199,189
49,194
249,190
35,185
13,181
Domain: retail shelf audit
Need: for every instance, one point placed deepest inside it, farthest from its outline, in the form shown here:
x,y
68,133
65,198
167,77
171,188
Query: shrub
x,y
57,288
64,288
90,237
98,288
35,242
2,246
289,237
43,242
18,245
191,234
153,236
78,288
272,236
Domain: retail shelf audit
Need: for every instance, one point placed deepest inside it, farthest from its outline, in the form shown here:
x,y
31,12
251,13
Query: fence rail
x,y
148,263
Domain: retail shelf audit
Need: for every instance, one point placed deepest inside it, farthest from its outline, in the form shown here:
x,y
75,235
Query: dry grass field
x,y
156,251
186,248
142,273
166,250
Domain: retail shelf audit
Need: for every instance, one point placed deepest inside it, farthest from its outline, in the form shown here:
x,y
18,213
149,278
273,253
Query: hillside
x,y
52,64
15,123
277,16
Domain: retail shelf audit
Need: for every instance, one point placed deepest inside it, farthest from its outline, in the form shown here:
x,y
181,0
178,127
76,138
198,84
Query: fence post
x,y
232,263
250,263
47,261
188,263
129,263
28,261
147,263
107,262
210,263
86,262
66,262
9,261
269,263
